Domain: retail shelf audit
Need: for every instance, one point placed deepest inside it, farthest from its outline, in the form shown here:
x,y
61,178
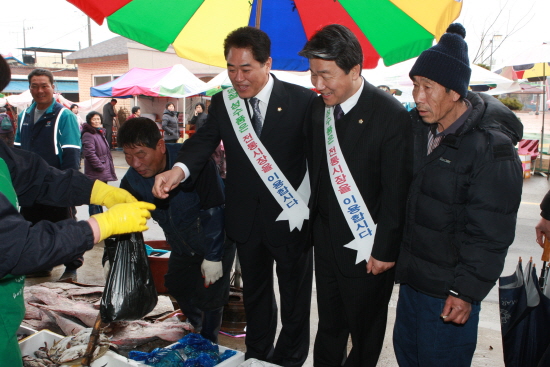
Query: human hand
x,y
196,113
542,228
124,218
456,310
378,267
211,271
167,181
109,196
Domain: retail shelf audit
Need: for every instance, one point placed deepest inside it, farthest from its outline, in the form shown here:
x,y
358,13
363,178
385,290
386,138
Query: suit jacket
x,y
377,146
284,134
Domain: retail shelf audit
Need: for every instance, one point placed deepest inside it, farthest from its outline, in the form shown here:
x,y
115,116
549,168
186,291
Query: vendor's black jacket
x,y
191,208
462,204
25,248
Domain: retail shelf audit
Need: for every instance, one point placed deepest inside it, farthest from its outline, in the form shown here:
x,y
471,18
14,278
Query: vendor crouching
x,y
192,219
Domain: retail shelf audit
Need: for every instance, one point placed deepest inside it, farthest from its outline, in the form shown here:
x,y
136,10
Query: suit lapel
x,y
358,121
276,108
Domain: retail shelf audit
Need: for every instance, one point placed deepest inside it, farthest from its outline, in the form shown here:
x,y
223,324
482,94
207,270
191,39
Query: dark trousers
x,y
202,306
109,135
347,306
295,275
422,339
38,212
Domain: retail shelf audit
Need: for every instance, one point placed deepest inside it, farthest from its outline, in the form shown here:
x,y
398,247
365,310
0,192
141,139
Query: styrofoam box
x,y
252,362
31,343
23,330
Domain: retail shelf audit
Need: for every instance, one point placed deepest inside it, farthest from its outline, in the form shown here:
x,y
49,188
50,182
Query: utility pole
x,y
24,41
89,33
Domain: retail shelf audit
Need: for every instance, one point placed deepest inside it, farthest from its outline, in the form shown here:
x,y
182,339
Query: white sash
x,y
292,202
347,193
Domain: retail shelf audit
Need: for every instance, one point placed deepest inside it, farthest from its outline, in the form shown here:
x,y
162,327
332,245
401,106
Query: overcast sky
x,y
59,24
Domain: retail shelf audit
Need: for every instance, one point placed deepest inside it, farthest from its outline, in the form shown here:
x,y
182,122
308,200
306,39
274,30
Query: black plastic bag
x,y
130,292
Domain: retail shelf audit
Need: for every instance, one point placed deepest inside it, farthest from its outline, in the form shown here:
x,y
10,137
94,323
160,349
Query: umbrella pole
x,y
258,13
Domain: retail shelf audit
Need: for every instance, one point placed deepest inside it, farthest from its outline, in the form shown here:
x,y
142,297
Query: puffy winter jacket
x,y
98,161
462,204
170,125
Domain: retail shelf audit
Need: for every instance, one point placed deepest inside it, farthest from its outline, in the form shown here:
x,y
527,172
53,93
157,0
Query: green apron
x,y
12,305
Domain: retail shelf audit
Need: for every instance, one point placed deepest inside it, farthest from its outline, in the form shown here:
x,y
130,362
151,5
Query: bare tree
x,y
486,43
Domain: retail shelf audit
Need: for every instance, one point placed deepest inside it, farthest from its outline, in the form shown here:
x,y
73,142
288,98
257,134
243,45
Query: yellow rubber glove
x,y
124,218
109,196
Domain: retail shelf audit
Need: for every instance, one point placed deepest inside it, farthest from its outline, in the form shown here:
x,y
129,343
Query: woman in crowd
x,y
98,162
200,116
136,112
170,124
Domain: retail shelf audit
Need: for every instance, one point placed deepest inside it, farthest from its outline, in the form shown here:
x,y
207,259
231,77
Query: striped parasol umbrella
x,y
394,30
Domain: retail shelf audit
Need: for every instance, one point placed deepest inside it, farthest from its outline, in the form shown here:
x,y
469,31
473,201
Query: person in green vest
x,y
25,179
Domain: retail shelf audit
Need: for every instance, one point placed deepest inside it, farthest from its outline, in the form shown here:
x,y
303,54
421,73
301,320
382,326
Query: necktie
x,y
257,120
338,112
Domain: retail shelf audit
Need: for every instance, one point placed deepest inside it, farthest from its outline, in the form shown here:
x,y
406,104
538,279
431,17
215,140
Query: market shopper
x,y
361,170
51,131
136,112
109,116
192,220
98,161
170,123
461,209
199,117
265,209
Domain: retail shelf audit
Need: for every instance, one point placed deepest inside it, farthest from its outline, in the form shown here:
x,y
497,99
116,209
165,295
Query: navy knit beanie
x,y
447,62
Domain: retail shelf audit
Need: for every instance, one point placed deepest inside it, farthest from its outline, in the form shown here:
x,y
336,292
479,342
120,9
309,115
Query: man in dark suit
x,y
358,198
256,206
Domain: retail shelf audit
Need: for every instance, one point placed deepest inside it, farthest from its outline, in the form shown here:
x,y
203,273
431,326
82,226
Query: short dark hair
x,y
73,106
5,73
135,109
336,43
168,104
139,131
91,114
202,105
252,38
114,100
41,72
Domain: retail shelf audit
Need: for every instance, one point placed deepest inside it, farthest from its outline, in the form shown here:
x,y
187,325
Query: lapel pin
x,y
279,109
360,121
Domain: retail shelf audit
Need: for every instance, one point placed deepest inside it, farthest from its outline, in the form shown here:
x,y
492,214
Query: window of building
x,y
102,79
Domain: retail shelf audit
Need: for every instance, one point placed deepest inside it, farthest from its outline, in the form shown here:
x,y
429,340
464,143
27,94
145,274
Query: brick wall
x,y
87,71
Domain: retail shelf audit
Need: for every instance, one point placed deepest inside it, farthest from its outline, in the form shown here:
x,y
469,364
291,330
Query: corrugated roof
x,y
112,47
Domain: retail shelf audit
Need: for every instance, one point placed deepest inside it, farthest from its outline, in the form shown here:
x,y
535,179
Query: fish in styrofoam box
x,y
31,344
